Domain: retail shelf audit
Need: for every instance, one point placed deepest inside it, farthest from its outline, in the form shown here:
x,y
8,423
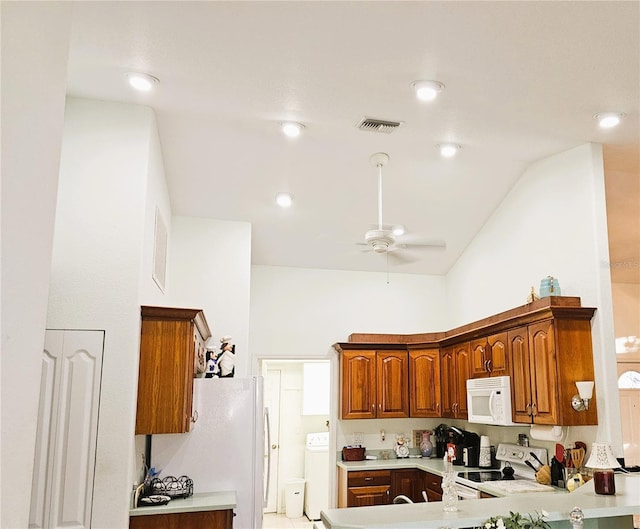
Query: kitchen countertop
x,y
434,466
470,513
202,501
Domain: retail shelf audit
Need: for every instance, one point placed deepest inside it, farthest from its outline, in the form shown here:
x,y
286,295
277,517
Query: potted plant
x,y
515,520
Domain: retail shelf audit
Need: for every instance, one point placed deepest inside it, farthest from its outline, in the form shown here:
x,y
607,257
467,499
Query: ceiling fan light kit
x,y
383,240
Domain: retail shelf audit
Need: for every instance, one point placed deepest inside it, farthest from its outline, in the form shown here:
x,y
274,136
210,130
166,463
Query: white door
x,y
272,382
62,487
629,395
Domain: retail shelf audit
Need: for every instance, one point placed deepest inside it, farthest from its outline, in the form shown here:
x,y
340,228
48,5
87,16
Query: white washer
x,y
316,474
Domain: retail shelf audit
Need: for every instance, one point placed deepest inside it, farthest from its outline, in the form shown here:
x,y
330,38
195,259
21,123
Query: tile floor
x,y
280,521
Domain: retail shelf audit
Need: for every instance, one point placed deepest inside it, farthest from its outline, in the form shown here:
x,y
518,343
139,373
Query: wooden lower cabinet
x,y
433,486
364,488
222,519
409,482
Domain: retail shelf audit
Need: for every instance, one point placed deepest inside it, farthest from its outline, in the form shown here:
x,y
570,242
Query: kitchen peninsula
x,y
599,511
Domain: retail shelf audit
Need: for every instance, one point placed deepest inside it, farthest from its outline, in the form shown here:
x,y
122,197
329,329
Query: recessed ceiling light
x,y
284,200
448,150
608,120
398,230
142,81
291,129
427,90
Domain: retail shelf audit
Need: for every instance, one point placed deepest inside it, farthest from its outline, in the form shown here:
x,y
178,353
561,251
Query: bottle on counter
x,y
449,493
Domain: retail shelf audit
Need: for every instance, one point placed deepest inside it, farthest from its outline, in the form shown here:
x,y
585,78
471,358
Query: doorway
x,y
296,408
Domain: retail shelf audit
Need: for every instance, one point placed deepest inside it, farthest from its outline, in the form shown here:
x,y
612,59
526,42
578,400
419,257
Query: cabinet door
x,y
358,385
165,385
433,486
424,383
408,482
489,356
447,386
521,399
480,358
393,384
367,496
188,520
462,355
498,361
542,366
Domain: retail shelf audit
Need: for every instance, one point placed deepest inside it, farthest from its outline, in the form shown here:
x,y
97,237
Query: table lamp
x,y
602,461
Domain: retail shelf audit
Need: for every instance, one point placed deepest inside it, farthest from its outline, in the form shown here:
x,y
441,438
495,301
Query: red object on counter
x,y
604,482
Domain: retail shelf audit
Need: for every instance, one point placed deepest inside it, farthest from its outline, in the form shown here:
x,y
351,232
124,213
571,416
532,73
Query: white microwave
x,y
489,400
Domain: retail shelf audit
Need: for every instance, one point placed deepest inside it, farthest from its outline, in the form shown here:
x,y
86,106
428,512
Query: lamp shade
x,y
602,457
585,389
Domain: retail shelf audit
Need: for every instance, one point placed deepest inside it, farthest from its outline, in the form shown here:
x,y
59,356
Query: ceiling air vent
x,y
378,125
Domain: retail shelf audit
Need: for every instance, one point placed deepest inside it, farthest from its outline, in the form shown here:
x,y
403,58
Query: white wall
x,y
110,181
210,269
553,222
35,40
302,312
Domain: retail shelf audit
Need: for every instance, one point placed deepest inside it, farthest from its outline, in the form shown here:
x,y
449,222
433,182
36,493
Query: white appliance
x,y
225,449
489,400
522,459
316,474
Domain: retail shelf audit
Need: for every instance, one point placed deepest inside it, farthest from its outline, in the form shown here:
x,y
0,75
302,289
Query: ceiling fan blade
x,y
421,244
400,258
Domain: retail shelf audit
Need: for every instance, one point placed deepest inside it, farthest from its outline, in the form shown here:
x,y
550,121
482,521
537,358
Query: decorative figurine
x,y
213,370
402,446
532,296
226,360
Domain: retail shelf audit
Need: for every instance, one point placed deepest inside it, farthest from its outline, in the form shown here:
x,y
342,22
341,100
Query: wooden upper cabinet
x,y
393,384
489,356
375,384
547,358
518,343
424,383
455,369
358,376
544,346
171,342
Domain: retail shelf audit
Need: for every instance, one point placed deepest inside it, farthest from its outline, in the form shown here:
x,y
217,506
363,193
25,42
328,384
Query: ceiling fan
x,y
382,240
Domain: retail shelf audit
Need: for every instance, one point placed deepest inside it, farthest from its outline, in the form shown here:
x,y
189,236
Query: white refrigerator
x,y
225,449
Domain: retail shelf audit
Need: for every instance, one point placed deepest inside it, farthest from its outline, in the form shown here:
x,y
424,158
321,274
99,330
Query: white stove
x,y
524,460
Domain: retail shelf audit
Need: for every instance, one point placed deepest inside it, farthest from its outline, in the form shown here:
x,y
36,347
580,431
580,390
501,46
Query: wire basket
x,y
181,487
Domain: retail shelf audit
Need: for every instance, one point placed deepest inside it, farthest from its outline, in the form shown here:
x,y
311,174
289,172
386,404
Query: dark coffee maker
x,y
441,433
455,437
471,450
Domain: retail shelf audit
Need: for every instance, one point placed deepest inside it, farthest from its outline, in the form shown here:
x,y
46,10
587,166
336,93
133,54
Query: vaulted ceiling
x,y
522,82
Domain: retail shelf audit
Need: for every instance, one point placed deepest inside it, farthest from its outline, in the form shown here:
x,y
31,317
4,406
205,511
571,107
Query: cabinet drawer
x,y
368,478
433,482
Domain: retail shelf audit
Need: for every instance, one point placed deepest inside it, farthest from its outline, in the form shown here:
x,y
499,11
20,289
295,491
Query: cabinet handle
x,y
368,479
194,417
490,365
534,409
528,409
437,407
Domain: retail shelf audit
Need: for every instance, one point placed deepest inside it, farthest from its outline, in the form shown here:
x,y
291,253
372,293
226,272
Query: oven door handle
x,y
466,493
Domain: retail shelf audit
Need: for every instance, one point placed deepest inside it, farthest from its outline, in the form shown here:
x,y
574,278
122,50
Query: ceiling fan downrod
x,y
379,160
